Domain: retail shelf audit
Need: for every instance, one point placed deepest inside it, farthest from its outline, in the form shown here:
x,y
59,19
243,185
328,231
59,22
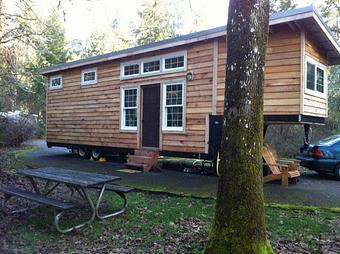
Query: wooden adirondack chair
x,y
279,169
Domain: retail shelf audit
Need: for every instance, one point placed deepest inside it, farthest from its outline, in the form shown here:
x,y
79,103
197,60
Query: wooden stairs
x,y
142,159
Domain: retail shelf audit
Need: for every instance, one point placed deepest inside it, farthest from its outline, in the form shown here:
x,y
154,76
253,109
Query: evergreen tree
x,y
281,5
51,48
158,20
330,10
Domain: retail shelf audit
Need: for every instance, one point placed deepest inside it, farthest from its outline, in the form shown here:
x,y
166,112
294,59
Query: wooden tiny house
x,y
167,96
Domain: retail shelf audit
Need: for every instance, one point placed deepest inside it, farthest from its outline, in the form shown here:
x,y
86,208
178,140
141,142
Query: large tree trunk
x,y
239,225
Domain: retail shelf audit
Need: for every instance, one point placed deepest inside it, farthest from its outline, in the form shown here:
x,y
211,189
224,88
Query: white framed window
x,y
129,103
151,66
56,82
130,69
174,62
173,106
89,76
316,77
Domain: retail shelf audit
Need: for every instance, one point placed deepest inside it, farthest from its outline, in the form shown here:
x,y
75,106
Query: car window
x,y
329,141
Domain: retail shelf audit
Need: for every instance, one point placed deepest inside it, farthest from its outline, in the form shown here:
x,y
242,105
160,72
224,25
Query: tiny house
x,y
166,98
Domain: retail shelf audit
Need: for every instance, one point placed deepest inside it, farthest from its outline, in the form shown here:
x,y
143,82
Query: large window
x,y
151,66
130,70
315,77
89,76
129,102
56,82
173,109
173,62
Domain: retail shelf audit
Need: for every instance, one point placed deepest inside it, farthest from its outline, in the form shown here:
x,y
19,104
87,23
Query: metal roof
x,y
306,16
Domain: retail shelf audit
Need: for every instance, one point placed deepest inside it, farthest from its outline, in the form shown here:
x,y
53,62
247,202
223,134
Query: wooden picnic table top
x,y
73,177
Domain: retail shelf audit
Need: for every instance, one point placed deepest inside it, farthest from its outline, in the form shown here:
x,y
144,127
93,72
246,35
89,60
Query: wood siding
x,y
315,105
282,73
90,115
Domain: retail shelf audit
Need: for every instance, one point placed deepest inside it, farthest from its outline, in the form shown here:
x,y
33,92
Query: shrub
x,y
15,130
7,161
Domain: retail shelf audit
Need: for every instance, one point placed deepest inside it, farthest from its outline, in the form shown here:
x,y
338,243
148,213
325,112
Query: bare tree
x,y
19,25
239,225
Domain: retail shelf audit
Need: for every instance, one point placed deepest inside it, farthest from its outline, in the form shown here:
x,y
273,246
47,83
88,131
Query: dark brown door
x,y
151,109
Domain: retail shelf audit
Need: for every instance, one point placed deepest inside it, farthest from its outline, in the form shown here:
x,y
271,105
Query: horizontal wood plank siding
x,y
198,98
315,105
90,115
282,73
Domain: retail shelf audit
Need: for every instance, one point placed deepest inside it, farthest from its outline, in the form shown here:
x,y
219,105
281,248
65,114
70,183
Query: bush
x,y
7,161
15,130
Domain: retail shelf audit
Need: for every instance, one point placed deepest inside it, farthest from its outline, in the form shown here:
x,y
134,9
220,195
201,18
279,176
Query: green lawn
x,y
158,223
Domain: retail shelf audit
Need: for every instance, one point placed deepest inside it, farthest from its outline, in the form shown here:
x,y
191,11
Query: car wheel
x,y
96,154
83,153
337,172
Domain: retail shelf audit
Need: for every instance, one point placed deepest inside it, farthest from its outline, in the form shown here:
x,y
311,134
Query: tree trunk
x,y
239,225
1,19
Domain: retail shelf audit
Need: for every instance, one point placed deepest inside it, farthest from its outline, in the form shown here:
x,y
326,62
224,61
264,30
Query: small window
x,y
129,109
175,62
152,66
56,82
320,74
89,76
310,76
316,76
131,70
173,107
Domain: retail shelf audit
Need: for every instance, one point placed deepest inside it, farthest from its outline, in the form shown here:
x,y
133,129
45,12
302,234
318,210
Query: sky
x,y
83,17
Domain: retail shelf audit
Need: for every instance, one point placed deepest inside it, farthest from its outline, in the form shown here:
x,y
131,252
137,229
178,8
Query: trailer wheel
x,y
83,153
96,154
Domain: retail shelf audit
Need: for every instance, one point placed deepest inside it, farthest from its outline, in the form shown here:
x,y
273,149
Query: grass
x,y
158,223
13,158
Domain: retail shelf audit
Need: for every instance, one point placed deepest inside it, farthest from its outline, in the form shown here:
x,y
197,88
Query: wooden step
x,y
145,152
143,159
139,166
139,159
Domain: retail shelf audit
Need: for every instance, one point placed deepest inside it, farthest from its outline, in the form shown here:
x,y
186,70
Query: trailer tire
x,y
96,154
83,153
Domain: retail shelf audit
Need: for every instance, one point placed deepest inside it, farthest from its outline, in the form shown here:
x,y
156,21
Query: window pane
x,y
174,62
319,80
131,69
174,116
130,98
89,76
56,82
151,66
130,117
174,94
310,76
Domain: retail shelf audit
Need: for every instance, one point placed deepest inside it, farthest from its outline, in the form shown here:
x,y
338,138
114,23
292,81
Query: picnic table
x,y
76,181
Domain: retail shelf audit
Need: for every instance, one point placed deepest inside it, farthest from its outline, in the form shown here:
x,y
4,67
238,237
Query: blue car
x,y
323,156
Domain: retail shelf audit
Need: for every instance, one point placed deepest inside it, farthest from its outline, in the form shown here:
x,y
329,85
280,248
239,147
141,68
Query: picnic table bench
x,y
10,191
75,181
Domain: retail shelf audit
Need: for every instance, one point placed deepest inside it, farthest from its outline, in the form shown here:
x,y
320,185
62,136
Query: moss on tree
x,y
239,225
